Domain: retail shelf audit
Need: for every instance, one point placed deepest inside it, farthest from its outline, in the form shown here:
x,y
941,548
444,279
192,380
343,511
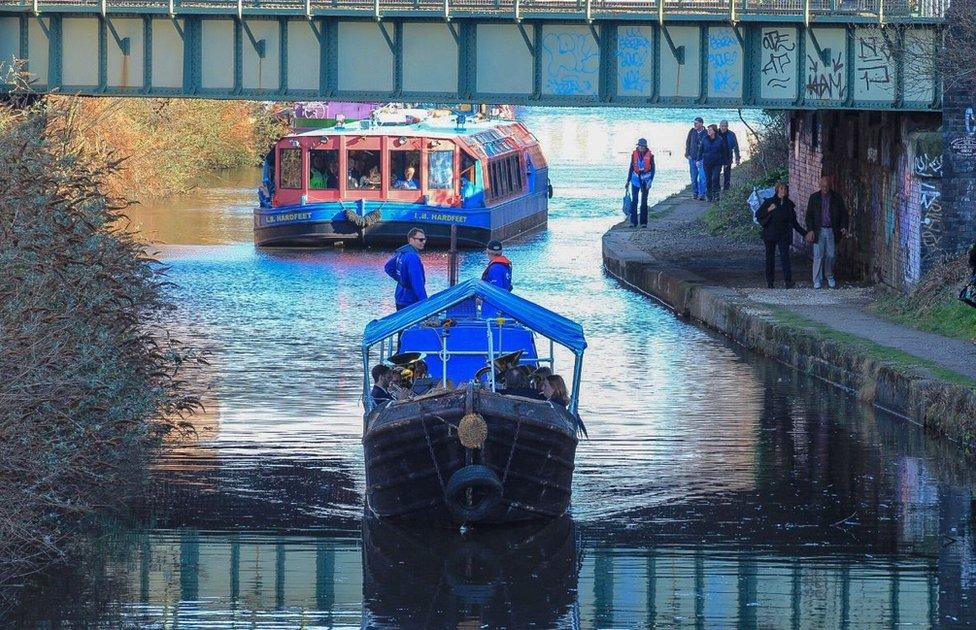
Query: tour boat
x,y
368,182
468,451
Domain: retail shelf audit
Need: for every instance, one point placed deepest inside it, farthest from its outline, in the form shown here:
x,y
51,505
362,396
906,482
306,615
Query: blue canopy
x,y
541,320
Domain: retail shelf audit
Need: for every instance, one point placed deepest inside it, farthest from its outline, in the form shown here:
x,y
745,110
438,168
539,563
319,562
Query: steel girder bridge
x,y
804,54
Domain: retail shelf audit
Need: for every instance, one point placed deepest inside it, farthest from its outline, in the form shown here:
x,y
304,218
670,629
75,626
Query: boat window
x,y
405,170
290,169
493,176
516,174
440,170
323,169
508,175
364,170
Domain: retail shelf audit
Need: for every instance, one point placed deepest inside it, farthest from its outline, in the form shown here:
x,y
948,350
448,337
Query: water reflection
x,y
717,489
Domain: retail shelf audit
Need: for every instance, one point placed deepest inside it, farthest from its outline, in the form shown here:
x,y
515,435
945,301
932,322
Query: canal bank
x,y
926,378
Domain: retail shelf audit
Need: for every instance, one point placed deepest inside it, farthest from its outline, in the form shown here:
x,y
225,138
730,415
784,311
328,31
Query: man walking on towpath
x,y
639,178
826,220
712,150
498,273
407,269
731,150
693,155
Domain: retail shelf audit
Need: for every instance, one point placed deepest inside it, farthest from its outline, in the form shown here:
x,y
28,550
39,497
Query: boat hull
x,y
383,224
416,465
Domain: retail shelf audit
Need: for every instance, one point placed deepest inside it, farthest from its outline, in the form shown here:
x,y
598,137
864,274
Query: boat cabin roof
x,y
484,139
534,317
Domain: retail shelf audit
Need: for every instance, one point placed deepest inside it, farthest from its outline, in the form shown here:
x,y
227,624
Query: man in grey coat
x,y
827,222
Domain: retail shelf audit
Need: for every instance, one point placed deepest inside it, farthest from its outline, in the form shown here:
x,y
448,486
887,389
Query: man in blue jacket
x,y
498,272
408,270
692,144
712,149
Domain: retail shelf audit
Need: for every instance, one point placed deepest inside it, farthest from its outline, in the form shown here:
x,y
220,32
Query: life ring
x,y
478,478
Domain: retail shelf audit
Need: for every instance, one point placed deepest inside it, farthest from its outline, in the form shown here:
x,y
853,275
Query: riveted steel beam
x,y
631,62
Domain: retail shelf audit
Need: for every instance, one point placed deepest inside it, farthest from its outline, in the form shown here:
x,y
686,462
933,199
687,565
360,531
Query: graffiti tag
x,y
572,63
723,59
778,47
826,81
927,166
873,57
633,54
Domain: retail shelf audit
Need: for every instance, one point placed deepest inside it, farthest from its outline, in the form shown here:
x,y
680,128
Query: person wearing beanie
x,y
497,273
640,174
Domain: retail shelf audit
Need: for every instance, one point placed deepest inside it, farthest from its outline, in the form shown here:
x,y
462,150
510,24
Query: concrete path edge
x,y
912,393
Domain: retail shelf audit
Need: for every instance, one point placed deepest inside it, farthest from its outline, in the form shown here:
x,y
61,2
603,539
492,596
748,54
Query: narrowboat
x,y
466,449
368,182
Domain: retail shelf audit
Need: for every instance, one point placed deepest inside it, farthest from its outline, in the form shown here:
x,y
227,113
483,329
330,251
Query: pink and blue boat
x,y
368,182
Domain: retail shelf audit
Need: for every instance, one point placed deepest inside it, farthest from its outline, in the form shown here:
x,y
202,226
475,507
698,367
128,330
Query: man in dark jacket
x,y
732,151
407,269
692,148
827,222
712,150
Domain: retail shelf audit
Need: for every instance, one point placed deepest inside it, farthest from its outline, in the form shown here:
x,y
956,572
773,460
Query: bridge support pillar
x,y
958,185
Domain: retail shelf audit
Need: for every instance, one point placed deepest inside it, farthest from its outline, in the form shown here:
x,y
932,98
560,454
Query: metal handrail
x,y
882,10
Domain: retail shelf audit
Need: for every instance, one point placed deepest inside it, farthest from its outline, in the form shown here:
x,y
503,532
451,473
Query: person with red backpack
x,y
498,273
639,178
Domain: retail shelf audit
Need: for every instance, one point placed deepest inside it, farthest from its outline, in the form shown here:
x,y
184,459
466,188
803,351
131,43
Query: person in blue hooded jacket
x,y
498,273
407,269
712,149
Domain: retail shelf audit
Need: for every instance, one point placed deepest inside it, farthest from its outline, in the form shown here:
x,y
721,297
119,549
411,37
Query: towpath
x,y
677,238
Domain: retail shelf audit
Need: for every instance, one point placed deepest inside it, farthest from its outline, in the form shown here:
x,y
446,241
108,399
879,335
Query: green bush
x,y
92,381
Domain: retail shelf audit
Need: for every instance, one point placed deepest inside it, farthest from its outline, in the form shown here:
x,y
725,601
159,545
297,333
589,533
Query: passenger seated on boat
x,y
323,175
538,378
516,384
555,390
421,380
409,181
372,180
381,380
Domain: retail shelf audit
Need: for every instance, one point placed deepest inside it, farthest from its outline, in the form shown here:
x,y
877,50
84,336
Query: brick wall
x,y
884,165
958,224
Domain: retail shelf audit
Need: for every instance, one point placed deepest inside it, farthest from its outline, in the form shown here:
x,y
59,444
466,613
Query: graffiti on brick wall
x,y
926,165
825,81
932,226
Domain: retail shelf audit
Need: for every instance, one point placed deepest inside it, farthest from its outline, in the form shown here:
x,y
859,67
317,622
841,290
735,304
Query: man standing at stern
x,y
407,269
827,221
498,272
639,178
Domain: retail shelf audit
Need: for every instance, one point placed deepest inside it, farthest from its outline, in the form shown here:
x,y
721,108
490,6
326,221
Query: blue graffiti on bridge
x,y
724,55
572,63
633,55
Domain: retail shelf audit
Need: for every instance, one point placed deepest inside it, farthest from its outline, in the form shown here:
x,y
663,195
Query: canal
x,y
717,489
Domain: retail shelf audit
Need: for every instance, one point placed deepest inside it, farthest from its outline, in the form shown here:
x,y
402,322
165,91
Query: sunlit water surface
x,y
716,489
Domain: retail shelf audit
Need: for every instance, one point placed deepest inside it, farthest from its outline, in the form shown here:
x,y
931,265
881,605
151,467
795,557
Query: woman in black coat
x,y
777,215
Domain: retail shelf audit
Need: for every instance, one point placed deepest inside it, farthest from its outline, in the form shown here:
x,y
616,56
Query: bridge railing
x,y
517,9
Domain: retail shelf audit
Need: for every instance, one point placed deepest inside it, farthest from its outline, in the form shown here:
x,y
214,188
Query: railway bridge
x,y
784,54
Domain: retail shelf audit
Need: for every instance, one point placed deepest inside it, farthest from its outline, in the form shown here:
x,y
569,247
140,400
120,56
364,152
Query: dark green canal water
x,y
717,489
